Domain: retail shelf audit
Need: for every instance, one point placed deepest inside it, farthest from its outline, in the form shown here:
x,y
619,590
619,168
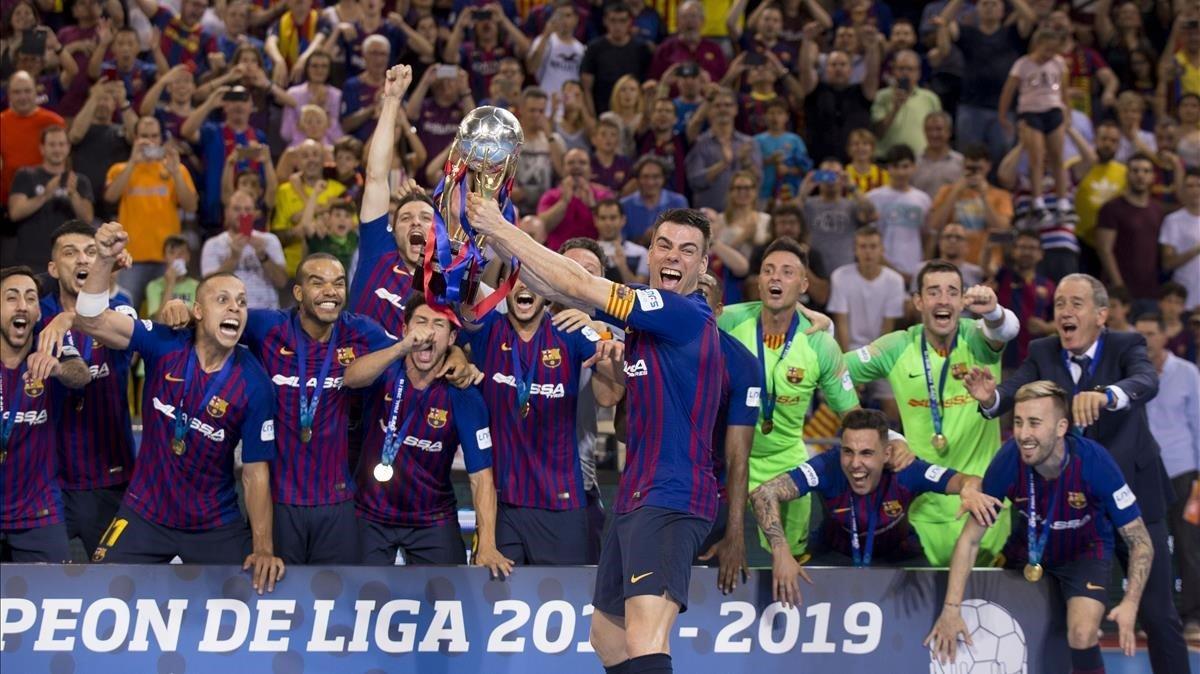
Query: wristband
x,y
1007,330
995,314
1111,398
894,436
90,305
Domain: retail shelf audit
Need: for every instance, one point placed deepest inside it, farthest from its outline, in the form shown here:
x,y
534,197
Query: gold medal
x,y
1033,572
79,404
382,472
525,409
767,426
305,434
178,446
939,443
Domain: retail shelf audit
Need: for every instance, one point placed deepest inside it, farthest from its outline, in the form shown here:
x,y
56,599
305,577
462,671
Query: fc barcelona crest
x,y
35,388
795,375
1077,500
217,406
893,509
551,357
436,417
959,371
345,355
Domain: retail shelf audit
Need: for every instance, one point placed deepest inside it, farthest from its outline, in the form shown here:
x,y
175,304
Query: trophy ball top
x,y
487,137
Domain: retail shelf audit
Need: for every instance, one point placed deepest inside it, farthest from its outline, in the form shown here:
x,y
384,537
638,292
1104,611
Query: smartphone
x,y
245,224
110,73
445,72
824,176
1191,25
755,58
480,14
33,41
179,266
688,70
904,84
153,152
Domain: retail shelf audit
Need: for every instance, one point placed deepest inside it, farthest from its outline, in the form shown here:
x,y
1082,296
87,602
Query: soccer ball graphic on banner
x,y
999,643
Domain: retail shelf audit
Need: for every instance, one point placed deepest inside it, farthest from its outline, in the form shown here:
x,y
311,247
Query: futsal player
x,y
733,432
531,386
667,498
866,503
203,395
305,352
95,450
926,365
1068,495
32,391
416,420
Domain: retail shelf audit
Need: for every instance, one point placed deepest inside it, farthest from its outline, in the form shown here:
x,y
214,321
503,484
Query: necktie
x,y
1084,362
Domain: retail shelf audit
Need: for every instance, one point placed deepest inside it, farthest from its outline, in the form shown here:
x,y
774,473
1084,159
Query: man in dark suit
x,y
1111,379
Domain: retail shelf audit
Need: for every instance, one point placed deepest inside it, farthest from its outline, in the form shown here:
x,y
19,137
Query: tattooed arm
x,y
1141,554
766,499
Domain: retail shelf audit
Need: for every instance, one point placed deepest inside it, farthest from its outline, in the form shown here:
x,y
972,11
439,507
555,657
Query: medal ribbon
x,y
308,406
523,375
768,401
215,383
935,397
8,418
1085,376
1037,540
394,437
862,556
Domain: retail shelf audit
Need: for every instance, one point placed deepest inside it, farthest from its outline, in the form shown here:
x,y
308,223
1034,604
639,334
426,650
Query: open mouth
x,y
229,327
775,290
328,305
81,276
423,354
1068,326
525,299
20,323
943,315
670,277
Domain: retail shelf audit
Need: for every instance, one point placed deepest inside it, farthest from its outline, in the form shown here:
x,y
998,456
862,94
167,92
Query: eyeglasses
x,y
741,188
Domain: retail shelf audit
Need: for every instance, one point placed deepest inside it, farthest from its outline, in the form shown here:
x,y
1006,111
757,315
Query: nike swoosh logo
x,y
173,379
914,376
399,270
387,397
635,579
1020,500
1093,586
284,351
505,347
838,511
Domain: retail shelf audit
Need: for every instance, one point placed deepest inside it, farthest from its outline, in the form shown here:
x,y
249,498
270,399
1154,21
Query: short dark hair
x,y
609,202
689,217
533,91
935,267
1172,289
1155,317
1108,122
777,102
342,205
1140,156
212,277
175,241
312,257
1028,234
1120,294
411,197
71,227
348,144
787,244
53,128
417,300
977,152
617,8
584,243
868,230
18,270
864,419
1191,172
900,153
647,160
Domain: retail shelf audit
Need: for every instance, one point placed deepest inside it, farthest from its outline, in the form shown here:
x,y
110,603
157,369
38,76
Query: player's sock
x,y
1087,660
656,663
619,668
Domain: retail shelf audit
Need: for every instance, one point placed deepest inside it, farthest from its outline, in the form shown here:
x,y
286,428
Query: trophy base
x,y
435,285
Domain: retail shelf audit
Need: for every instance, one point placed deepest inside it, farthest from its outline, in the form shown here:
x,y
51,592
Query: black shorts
x,y
648,551
441,544
542,537
44,545
324,534
1043,122
1083,578
88,513
133,539
595,515
714,535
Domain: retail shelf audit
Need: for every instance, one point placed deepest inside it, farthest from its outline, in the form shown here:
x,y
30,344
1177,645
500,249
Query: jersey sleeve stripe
x,y
620,301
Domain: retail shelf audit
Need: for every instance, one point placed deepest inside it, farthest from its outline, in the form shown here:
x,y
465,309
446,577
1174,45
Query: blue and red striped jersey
x,y
183,45
28,465
432,423
536,454
895,538
381,283
95,433
195,490
316,472
741,393
673,366
1092,497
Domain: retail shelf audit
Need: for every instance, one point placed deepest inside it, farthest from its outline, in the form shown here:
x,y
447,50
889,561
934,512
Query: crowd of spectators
x,y
1021,140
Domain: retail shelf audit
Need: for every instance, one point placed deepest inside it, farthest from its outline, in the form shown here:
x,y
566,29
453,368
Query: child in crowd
x,y
1120,303
609,168
331,230
862,171
785,156
175,283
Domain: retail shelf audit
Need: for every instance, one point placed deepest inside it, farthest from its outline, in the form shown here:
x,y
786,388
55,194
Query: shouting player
x,y
667,498
1068,494
32,393
95,448
926,365
531,386
416,420
865,503
203,396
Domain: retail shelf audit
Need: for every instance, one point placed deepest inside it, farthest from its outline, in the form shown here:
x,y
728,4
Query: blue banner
x,y
178,618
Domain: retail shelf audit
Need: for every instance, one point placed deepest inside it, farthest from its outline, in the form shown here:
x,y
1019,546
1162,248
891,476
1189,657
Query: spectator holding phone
x,y
96,140
899,111
218,140
45,196
22,122
255,257
437,117
174,284
292,195
149,190
124,66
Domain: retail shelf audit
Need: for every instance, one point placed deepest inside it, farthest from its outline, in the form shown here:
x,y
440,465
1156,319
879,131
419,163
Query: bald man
x,y
23,121
566,210
291,197
899,111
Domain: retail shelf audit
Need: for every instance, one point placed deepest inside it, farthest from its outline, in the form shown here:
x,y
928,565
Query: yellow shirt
x,y
868,180
1101,183
149,208
715,12
287,204
1190,79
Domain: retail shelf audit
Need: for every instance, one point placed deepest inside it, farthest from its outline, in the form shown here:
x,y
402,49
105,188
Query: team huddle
x,y
343,415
